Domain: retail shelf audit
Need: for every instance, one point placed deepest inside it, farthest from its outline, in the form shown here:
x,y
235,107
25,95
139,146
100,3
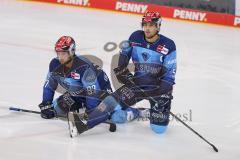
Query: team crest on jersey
x,y
75,75
145,56
162,49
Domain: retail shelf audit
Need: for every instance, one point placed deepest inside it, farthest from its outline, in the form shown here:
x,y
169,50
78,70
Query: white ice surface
x,y
207,83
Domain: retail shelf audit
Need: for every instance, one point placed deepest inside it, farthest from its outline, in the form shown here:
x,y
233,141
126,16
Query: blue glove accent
x,y
158,129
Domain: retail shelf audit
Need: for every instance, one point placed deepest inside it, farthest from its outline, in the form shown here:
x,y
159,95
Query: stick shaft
x,y
186,125
111,125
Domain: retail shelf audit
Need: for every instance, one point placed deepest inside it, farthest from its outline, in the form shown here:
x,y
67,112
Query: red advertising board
x,y
140,8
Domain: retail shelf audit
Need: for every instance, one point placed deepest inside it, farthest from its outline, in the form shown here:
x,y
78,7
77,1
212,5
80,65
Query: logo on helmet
x,y
65,44
152,17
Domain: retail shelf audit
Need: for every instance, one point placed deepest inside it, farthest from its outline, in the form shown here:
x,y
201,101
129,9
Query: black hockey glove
x,y
123,74
47,110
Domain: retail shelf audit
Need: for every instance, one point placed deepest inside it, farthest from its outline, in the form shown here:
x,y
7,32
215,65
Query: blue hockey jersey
x,y
151,60
83,81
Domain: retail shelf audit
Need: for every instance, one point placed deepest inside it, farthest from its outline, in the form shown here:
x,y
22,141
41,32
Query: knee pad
x,y
159,112
158,128
66,103
159,118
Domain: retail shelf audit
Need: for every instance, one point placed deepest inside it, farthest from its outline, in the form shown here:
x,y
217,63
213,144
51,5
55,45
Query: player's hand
x,y
123,74
47,110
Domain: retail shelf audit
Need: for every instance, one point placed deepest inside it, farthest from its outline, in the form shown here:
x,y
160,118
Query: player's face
x,y
63,57
150,30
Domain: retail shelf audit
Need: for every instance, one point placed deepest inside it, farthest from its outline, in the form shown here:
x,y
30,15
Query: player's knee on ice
x,y
158,128
159,113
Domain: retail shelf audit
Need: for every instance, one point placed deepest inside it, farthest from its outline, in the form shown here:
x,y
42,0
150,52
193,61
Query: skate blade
x,y
72,127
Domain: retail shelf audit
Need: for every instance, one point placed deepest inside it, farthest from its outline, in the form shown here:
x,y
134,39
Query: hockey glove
x,y
47,110
123,74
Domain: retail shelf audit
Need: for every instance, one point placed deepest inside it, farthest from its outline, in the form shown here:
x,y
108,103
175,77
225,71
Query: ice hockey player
x,y
154,58
82,83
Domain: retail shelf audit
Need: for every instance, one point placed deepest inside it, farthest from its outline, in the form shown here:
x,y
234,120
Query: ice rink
x,y
206,91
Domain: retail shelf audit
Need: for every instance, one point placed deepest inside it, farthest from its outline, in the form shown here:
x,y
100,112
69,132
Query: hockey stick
x,y
112,126
172,114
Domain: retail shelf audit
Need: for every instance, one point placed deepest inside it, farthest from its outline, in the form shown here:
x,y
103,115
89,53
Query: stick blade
x,y
215,148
